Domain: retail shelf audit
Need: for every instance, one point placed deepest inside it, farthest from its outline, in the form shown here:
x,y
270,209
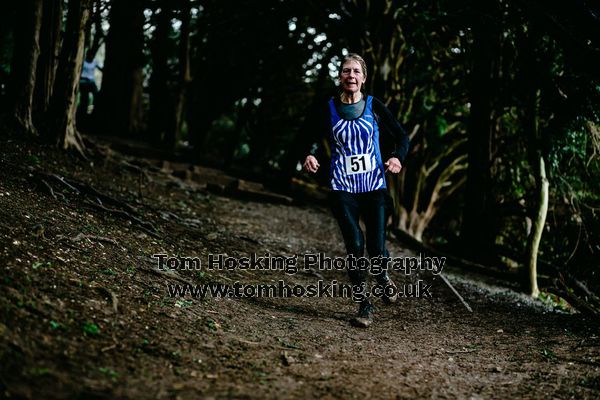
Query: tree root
x,y
145,226
79,237
113,297
95,199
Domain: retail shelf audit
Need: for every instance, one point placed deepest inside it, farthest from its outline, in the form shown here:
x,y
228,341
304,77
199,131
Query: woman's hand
x,y
311,164
393,165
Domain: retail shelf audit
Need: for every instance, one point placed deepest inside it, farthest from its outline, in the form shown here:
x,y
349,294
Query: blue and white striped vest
x,y
356,165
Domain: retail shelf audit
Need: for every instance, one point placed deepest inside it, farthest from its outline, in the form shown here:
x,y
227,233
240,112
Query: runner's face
x,y
351,77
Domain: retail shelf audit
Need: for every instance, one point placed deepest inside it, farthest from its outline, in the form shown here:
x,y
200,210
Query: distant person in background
x,y
354,124
87,83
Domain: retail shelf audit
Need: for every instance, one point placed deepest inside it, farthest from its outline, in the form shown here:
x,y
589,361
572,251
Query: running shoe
x,y
364,318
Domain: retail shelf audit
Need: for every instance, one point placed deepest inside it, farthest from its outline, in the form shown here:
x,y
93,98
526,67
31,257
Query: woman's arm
x,y
393,130
316,128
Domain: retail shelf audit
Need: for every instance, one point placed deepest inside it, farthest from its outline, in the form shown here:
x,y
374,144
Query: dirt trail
x,y
86,314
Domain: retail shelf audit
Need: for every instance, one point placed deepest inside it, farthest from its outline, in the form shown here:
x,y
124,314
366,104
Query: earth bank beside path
x,y
86,313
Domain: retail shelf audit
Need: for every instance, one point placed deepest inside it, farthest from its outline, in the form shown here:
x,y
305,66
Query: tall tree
x,y
184,77
24,63
477,229
161,102
120,103
531,71
50,40
63,104
225,31
170,75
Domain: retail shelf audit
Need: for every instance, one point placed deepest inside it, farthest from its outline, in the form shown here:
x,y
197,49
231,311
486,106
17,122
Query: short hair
x,y
358,59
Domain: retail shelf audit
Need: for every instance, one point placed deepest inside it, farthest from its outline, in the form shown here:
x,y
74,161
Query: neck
x,y
351,98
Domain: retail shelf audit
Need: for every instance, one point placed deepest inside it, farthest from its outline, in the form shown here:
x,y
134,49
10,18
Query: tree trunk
x,y
49,49
477,229
538,226
135,119
120,103
185,76
64,97
532,70
24,63
161,108
208,76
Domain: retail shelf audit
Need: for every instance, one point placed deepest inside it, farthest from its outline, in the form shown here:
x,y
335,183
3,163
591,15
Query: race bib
x,y
358,164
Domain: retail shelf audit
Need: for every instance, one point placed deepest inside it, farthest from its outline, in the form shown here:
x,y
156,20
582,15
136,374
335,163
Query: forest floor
x,y
86,313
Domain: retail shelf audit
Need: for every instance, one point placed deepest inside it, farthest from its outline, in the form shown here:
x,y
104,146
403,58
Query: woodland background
x,y
500,98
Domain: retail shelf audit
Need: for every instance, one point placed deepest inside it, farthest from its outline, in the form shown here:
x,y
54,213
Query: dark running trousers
x,y
374,207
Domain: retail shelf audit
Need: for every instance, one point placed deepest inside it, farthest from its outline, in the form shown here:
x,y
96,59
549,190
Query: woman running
x,y
357,174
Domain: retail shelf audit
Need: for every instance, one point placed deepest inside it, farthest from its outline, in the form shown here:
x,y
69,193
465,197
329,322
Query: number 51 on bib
x,y
358,164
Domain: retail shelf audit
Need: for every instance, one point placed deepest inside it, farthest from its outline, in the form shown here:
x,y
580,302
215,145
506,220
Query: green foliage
x,y
548,354
212,325
33,159
555,301
442,125
109,372
41,264
181,303
39,371
109,271
91,329
55,325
